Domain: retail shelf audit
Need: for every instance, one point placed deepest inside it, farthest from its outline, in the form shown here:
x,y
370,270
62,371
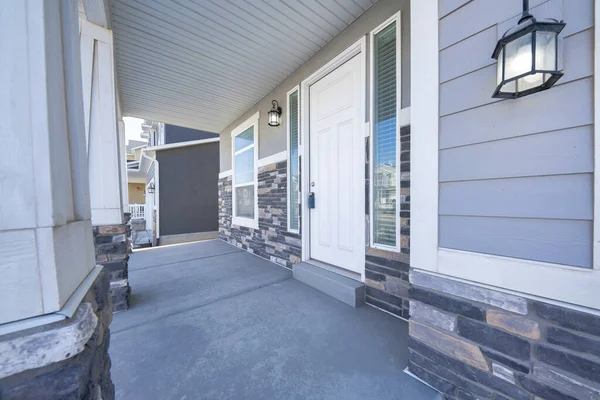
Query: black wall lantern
x,y
151,188
528,57
275,114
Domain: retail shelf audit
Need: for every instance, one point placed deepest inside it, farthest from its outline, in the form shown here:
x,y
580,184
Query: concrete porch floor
x,y
210,321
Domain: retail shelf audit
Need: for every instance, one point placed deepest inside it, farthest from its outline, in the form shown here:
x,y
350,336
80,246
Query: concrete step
x,y
335,285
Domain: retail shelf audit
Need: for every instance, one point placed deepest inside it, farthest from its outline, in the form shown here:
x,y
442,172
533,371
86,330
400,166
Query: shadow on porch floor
x,y
209,321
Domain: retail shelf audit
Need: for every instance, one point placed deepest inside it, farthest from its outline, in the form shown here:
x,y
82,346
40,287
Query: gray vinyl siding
x,y
188,189
516,176
273,140
178,134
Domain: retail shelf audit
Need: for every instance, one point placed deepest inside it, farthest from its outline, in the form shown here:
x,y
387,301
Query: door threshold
x,y
335,269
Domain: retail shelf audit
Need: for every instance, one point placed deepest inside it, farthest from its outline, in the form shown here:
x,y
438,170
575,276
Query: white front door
x,y
337,167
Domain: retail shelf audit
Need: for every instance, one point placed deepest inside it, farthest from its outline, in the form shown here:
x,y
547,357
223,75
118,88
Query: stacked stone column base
x,y
63,360
471,342
112,252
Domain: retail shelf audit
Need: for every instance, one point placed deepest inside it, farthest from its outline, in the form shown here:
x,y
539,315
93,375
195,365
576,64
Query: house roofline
x,y
182,144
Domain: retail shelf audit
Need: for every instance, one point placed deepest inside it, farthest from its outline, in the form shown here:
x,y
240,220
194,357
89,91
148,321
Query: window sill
x,y
391,249
246,222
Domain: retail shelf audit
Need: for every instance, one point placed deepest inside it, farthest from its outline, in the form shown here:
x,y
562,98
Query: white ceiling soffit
x,y
202,63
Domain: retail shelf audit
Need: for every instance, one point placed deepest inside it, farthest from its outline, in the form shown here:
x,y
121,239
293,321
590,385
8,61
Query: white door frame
x,y
358,48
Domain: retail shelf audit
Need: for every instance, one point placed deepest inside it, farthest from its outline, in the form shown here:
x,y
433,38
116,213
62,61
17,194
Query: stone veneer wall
x,y
271,240
63,360
386,281
113,246
386,273
474,343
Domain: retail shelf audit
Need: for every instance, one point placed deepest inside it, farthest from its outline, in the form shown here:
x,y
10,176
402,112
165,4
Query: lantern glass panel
x,y
273,118
530,81
510,87
545,51
518,56
500,66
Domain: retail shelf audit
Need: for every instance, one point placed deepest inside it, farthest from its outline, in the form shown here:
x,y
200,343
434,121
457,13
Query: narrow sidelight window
x,y
293,160
385,104
245,153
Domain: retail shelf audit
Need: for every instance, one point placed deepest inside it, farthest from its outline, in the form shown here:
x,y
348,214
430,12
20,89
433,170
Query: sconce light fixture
x,y
275,114
151,188
527,57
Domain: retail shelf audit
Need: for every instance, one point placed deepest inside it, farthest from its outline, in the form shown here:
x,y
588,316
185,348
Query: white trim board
x,y
251,121
573,285
289,154
67,310
424,100
358,48
182,144
272,159
596,227
225,174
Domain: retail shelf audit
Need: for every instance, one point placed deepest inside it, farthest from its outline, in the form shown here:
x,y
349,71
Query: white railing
x,y
137,211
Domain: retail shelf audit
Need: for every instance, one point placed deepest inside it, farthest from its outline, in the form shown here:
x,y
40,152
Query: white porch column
x,y
105,155
46,245
123,157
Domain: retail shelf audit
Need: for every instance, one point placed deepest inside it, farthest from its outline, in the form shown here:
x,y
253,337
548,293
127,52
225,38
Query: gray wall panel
x,y
177,134
555,197
554,241
447,6
469,55
188,189
561,107
468,91
579,14
559,152
273,140
516,175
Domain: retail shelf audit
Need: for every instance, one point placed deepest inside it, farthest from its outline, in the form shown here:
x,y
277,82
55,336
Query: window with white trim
x,y
294,166
245,173
385,139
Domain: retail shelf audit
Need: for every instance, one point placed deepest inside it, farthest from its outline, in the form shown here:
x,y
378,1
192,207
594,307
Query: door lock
x,y
311,200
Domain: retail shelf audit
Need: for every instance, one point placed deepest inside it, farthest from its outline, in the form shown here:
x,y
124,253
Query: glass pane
x,y
545,51
499,69
530,81
384,137
518,57
510,87
244,201
244,139
294,170
244,166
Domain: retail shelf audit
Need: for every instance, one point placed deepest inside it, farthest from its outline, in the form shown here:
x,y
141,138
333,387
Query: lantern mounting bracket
x,y
526,15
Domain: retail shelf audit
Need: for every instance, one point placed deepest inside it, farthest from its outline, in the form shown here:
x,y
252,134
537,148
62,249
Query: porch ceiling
x,y
203,63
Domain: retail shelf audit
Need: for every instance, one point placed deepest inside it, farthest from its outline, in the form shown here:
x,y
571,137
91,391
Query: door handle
x,y
311,200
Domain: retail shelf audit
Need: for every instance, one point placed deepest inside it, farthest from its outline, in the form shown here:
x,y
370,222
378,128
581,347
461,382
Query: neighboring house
x,y
181,195
136,183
